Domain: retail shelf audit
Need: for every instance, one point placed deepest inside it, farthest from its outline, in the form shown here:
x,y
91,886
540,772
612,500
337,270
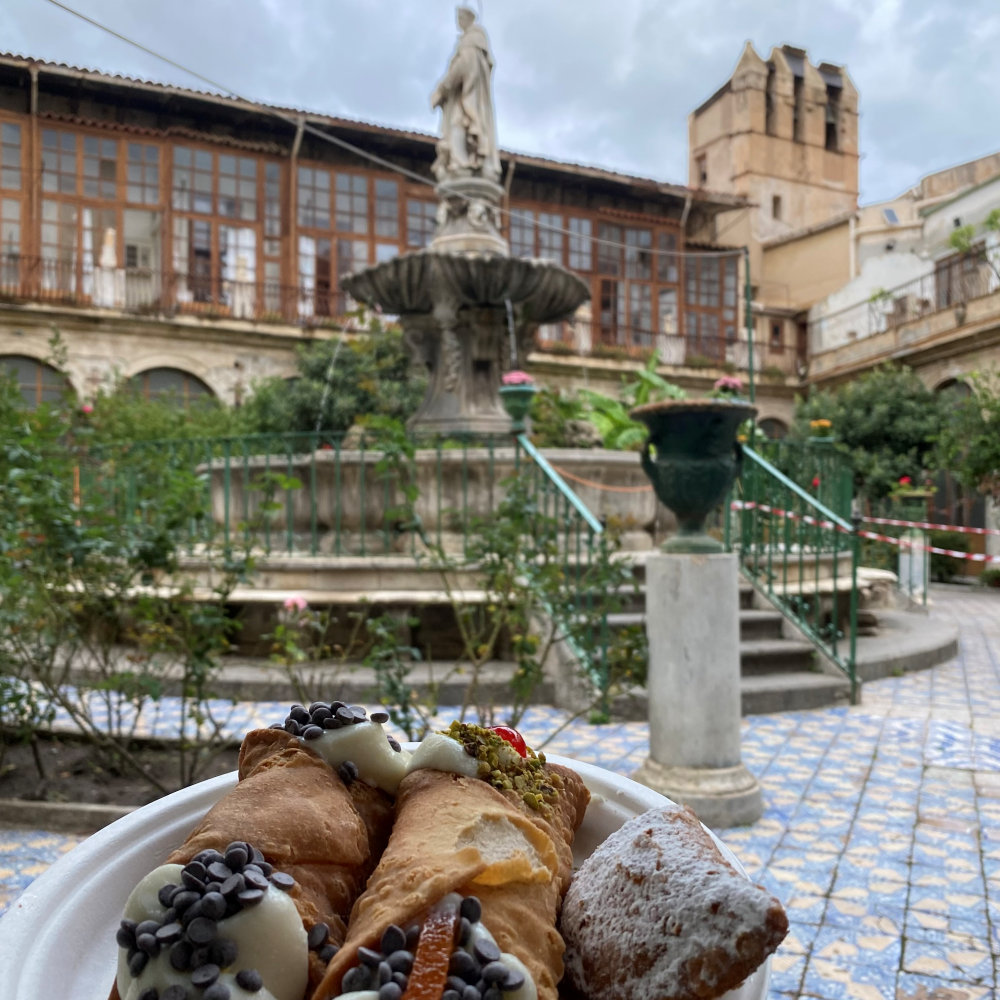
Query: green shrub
x,y
990,577
945,568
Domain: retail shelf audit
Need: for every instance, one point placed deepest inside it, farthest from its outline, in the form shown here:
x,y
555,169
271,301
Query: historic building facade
x,y
191,241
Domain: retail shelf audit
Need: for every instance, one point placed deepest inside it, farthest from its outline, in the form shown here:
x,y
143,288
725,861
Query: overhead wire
x,y
298,122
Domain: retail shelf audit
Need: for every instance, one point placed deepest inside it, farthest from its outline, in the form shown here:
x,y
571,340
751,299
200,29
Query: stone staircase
x,y
779,671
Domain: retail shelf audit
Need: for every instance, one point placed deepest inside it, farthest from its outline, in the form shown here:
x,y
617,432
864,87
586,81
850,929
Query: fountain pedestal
x,y
693,681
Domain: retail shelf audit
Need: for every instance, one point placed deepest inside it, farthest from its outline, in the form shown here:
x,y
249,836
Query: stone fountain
x,y
469,311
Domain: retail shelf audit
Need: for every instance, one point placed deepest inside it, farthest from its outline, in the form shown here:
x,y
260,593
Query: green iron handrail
x,y
582,541
802,556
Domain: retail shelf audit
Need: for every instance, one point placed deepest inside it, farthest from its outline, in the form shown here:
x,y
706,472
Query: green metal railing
x,y
581,545
801,555
816,466
326,494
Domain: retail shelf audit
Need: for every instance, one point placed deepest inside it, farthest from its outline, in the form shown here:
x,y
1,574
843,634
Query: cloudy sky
x,y
607,82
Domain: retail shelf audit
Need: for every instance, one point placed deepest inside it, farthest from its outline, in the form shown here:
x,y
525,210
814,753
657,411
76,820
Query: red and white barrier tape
x,y
932,527
808,519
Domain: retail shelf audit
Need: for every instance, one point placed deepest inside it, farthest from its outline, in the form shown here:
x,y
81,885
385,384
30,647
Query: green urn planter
x,y
516,400
692,458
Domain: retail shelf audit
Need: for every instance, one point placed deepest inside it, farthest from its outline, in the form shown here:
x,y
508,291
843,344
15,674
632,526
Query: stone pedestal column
x,y
692,620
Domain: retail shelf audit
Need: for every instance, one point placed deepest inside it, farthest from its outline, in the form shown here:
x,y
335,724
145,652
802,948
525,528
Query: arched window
x,y
38,382
955,386
773,428
170,384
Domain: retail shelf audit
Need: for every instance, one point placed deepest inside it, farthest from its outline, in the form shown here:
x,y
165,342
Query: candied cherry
x,y
513,737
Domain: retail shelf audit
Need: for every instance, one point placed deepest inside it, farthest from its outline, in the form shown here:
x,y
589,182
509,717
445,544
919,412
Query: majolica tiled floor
x,y
881,830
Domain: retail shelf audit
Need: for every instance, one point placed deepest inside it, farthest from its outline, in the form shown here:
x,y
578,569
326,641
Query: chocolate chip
x,y
494,972
312,732
175,992
492,993
455,983
256,857
462,964
237,856
192,881
394,743
205,975
393,939
213,905
223,952
255,878
331,722
180,956
217,991
318,935
401,979
150,993
148,944
283,881
334,705
249,980
250,897
348,772
292,727
166,893
265,867
219,871
514,980
191,913
412,936
401,960
463,931
327,952
471,993
486,950
384,973
169,933
201,930
233,885
299,713
360,715
146,927
471,909
200,957
369,957
344,716
318,704
380,717
125,935
390,991
183,899
319,714
137,962
355,979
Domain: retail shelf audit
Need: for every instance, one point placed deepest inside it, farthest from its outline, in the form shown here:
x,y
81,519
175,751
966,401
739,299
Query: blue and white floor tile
x,y
880,833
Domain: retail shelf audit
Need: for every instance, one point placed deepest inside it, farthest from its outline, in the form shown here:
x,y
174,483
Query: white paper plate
x,y
59,936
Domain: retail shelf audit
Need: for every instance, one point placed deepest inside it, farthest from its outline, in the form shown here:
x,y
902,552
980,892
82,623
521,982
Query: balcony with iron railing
x,y
168,294
900,320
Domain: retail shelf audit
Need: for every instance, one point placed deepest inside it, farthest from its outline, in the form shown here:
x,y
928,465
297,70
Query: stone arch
x,y
773,428
38,381
166,382
958,386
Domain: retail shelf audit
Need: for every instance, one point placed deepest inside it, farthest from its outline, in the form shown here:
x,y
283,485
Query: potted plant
x,y
517,390
692,458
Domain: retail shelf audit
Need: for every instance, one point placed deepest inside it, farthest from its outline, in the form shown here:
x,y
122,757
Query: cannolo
x,y
256,900
468,891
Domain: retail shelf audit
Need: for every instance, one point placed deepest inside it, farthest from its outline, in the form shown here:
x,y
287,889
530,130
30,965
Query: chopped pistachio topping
x,y
504,768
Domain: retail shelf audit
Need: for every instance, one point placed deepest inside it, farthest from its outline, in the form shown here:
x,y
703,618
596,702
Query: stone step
x,y
754,623
775,656
258,679
761,695
796,691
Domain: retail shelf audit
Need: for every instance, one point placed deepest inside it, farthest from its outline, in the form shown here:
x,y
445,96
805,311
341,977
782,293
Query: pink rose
x,y
296,603
517,377
87,408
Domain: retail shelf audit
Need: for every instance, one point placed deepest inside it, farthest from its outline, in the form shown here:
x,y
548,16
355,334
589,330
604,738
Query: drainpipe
x,y
34,228
293,217
851,250
747,307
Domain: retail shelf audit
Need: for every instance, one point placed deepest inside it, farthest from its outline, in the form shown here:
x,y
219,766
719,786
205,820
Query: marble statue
x,y
468,143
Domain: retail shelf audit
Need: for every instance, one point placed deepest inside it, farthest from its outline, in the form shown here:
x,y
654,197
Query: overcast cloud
x,y
606,82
